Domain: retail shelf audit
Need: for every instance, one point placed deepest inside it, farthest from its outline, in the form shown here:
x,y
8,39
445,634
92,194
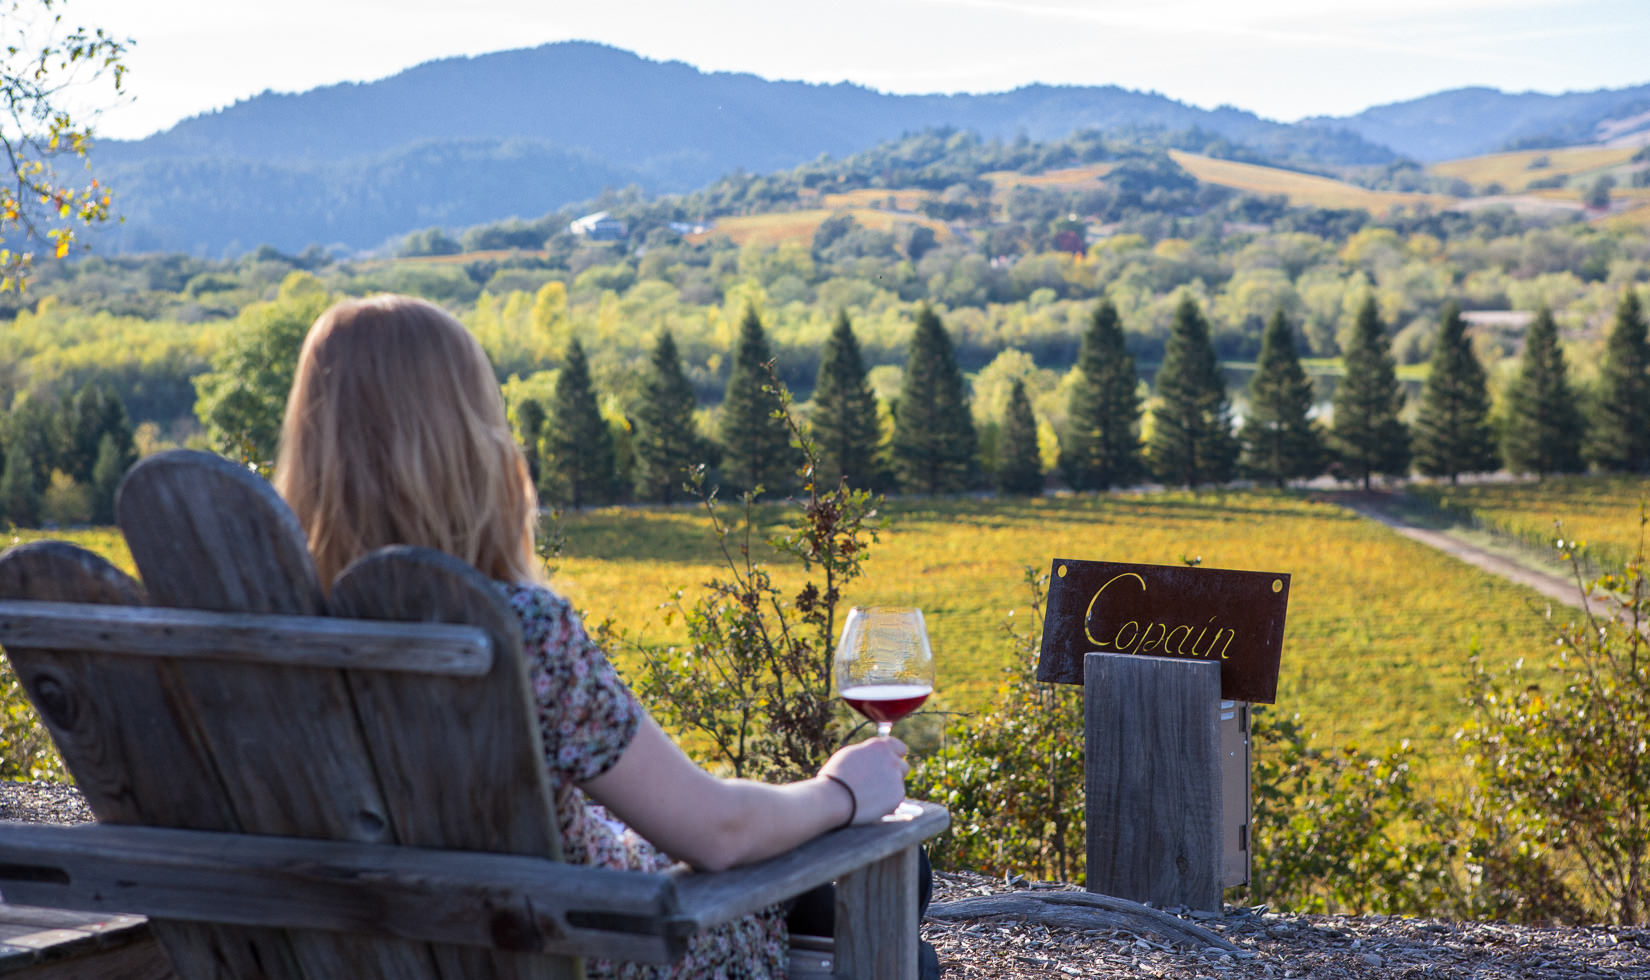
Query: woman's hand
x,y
875,771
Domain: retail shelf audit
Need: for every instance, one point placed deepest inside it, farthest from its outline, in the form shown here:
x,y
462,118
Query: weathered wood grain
x,y
1082,910
275,641
485,791
54,944
876,922
122,731
707,899
1152,774
286,756
495,901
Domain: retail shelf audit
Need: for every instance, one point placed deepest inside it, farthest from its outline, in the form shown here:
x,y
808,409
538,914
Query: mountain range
x,y
461,141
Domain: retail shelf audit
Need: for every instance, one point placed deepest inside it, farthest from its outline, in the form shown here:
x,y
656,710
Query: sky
x,y
1283,59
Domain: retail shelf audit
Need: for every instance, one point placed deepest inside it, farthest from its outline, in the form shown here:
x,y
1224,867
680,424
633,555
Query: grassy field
x,y
1515,171
1379,627
1068,178
1301,189
1600,512
799,226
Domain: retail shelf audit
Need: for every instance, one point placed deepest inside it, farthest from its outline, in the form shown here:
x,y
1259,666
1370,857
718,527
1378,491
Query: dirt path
x,y
1554,587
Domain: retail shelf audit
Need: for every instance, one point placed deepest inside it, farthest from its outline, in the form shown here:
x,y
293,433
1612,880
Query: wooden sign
x,y
1230,617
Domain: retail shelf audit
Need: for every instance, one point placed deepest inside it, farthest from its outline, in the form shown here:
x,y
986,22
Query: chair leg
x,y
876,921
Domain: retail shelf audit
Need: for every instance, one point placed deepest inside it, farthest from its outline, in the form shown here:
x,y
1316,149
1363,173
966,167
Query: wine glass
x,y
883,665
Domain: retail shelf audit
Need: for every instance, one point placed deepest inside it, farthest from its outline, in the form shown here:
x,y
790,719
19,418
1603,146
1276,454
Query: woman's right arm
x,y
714,823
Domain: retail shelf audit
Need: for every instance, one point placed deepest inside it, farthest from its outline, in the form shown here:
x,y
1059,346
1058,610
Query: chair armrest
x,y
709,898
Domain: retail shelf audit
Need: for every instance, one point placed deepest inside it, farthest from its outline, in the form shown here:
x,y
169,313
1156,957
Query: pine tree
x,y
530,421
1621,417
756,442
934,438
667,443
580,468
1101,446
111,465
19,486
1366,432
1020,466
844,418
1544,426
1452,430
1280,440
1192,441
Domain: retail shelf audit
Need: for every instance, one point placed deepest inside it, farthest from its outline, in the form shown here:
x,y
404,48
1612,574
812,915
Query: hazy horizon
x,y
1281,59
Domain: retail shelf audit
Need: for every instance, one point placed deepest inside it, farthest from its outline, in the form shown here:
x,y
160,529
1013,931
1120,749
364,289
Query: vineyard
x,y
1601,513
1379,631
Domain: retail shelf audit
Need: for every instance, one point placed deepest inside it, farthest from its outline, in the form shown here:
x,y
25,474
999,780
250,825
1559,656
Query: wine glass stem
x,y
885,728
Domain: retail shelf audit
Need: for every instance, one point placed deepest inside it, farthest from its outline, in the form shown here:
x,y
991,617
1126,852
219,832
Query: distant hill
x,y
346,164
1471,121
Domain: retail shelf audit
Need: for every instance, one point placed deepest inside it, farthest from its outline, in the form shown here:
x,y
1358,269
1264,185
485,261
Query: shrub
x,y
1560,808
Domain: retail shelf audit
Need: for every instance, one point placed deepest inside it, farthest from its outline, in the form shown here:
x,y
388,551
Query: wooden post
x,y
1152,772
871,943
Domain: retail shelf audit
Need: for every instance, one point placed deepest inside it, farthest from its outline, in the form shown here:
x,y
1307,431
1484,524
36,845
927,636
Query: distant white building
x,y
600,227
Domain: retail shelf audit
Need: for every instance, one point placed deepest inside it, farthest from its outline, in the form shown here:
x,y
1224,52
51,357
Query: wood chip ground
x,y
1269,945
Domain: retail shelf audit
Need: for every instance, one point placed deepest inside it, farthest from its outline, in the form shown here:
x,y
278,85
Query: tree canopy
x,y
1280,440
1366,432
756,441
1191,441
1100,447
934,437
1452,430
1544,428
41,58
1621,414
844,417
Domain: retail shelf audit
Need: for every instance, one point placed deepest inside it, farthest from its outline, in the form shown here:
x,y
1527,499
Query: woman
x,y
395,433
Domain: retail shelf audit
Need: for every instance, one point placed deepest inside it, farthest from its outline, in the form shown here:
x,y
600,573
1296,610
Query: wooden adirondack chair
x,y
299,785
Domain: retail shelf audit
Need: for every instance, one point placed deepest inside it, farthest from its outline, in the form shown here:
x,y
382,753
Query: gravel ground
x,y
1269,945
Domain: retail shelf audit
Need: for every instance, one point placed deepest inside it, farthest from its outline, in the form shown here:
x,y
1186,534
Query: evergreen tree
x,y
1101,445
1280,440
934,438
1544,426
1452,431
530,421
1366,432
1192,441
111,465
844,417
1621,418
667,443
19,487
580,468
1020,466
756,441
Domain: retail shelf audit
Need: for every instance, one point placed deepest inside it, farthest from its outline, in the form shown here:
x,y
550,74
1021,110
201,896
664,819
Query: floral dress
x,y
587,717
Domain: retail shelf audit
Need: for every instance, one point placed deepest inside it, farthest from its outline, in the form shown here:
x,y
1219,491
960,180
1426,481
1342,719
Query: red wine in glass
x,y
884,667
886,703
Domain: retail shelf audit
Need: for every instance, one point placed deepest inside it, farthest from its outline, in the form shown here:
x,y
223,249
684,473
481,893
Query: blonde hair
x,y
395,433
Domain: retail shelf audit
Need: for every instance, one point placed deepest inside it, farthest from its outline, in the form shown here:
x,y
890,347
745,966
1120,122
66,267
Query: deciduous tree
x,y
844,417
1366,432
41,58
1101,445
1544,426
934,438
1452,431
1280,440
1620,435
1191,441
667,442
